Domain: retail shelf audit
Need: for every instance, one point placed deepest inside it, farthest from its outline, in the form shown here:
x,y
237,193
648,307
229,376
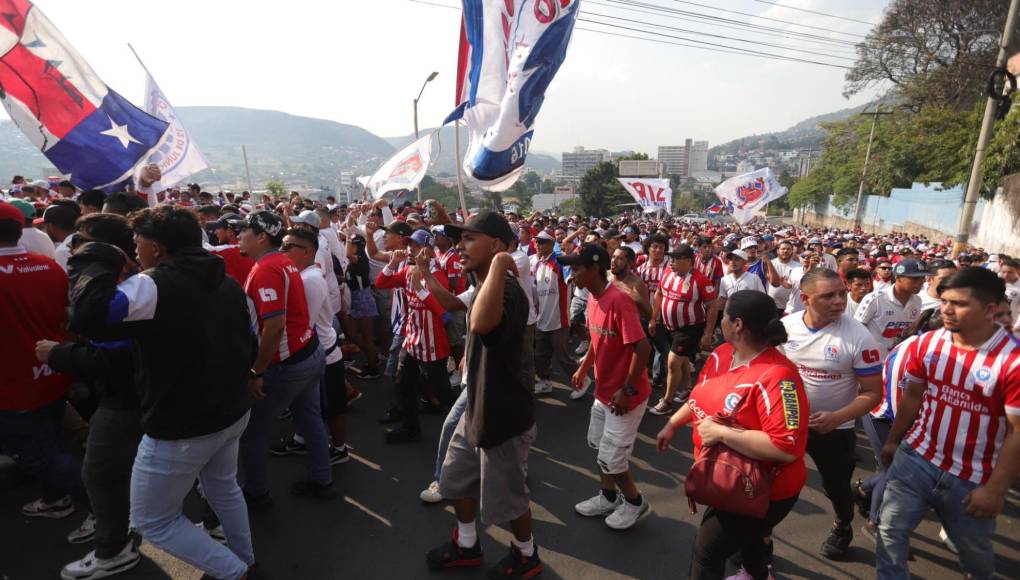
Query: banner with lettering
x,y
651,194
745,194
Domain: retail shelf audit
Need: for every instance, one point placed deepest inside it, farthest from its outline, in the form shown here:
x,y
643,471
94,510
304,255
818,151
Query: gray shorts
x,y
383,302
578,311
495,477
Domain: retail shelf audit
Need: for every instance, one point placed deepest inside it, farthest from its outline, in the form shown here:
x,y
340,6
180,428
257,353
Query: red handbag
x,y
728,480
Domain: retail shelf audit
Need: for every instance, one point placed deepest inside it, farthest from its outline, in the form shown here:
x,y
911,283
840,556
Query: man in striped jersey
x,y
955,443
425,349
651,271
686,301
708,263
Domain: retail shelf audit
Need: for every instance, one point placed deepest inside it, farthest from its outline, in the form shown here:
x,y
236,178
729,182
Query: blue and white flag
x,y
90,133
178,156
510,51
745,194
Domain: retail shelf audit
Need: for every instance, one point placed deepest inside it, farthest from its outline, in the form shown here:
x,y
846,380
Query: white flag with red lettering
x,y
651,194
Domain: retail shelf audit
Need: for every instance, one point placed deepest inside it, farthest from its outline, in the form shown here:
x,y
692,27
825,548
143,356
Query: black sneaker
x,y
837,544
313,490
515,565
394,415
338,455
369,374
451,555
285,414
862,499
258,503
288,446
402,435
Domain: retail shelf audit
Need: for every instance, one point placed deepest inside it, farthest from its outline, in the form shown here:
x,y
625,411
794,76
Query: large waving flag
x,y
745,194
178,156
510,51
88,131
404,170
651,194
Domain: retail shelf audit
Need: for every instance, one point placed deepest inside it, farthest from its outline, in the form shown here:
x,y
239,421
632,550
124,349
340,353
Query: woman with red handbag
x,y
749,411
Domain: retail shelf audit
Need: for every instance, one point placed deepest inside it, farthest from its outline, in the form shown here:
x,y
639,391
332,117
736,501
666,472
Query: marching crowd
x,y
183,331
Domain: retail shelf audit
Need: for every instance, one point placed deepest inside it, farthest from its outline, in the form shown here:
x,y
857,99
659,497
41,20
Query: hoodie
x,y
191,331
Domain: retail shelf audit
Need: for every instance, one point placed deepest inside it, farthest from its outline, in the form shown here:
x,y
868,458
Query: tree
x,y
633,157
933,52
572,206
523,194
601,193
276,188
533,181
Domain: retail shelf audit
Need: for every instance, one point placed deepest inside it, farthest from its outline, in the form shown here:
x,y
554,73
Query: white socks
x,y
527,548
467,537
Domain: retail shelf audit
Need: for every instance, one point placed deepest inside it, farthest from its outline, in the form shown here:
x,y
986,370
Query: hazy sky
x,y
363,61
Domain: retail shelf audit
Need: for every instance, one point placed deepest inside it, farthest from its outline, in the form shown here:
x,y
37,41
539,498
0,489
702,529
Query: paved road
x,y
378,528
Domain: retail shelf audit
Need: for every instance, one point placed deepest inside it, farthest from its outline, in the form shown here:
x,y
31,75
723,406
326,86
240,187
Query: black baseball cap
x,y
262,221
682,252
590,255
228,220
911,269
486,222
402,229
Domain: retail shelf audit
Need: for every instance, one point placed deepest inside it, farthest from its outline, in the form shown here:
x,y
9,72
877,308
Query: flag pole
x,y
134,52
460,170
247,171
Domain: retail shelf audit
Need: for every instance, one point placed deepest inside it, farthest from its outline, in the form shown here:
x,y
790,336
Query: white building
x,y
577,162
676,158
698,158
745,167
550,201
640,168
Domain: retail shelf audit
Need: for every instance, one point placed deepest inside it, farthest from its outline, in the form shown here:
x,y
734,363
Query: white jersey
x,y
527,282
851,306
928,302
324,260
36,242
746,281
317,297
877,284
1013,296
795,304
886,318
831,359
780,294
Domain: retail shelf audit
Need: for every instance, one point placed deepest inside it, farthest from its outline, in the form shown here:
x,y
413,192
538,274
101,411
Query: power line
x,y
798,9
823,29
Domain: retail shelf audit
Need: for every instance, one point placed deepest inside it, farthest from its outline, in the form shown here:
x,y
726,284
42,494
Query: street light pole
x,y
867,157
427,81
974,185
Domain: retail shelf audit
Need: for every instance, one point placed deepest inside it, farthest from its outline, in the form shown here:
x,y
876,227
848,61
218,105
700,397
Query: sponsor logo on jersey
x,y
731,401
268,294
831,353
791,405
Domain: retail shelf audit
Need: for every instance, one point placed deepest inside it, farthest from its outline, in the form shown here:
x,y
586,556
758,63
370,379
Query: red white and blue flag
x,y
744,195
714,209
90,133
510,50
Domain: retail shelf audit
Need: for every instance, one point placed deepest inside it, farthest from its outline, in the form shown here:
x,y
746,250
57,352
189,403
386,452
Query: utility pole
x,y
974,185
858,208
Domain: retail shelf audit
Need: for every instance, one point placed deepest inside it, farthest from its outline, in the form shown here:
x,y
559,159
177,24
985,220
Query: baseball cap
x,y
748,242
486,222
682,252
613,233
9,212
61,215
27,210
739,254
226,220
631,230
399,228
439,231
262,221
307,217
544,236
590,255
911,269
413,217
422,238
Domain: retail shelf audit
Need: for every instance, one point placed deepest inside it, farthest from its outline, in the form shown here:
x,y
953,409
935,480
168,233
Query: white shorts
x,y
613,436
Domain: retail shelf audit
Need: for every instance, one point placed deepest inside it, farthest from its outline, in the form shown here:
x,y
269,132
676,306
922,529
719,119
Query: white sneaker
x,y
91,567
598,505
431,493
85,532
743,574
582,348
55,510
584,389
626,515
216,533
542,387
947,541
663,407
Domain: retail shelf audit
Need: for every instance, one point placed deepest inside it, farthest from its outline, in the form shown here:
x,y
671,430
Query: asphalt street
x,y
378,528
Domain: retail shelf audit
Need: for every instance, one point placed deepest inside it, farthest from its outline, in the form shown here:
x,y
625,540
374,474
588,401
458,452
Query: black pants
x,y
723,534
110,451
413,374
833,454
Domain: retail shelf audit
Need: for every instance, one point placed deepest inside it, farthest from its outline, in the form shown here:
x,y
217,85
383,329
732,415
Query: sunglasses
x,y
289,247
885,267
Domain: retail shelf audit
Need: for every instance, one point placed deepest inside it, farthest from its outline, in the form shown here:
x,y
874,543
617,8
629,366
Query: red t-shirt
x,y
33,291
776,404
614,326
274,288
238,266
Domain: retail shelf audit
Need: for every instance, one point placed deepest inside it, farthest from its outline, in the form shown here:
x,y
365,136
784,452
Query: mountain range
x,y
307,152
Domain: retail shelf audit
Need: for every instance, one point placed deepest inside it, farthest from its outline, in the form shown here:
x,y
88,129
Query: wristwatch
x,y
252,374
629,390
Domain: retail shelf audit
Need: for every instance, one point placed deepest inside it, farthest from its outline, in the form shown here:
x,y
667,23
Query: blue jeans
x,y
35,440
391,363
877,432
913,486
164,473
295,386
449,426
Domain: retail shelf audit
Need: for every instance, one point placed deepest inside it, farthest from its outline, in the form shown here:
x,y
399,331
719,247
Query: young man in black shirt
x,y
486,462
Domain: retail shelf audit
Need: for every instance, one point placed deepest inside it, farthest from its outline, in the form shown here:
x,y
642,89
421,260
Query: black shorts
x,y
687,340
333,391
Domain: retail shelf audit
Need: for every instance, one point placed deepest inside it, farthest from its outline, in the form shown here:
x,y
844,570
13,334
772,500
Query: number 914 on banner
x,y
651,194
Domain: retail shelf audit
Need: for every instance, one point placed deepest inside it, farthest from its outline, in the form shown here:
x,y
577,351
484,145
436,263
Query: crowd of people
x,y
182,330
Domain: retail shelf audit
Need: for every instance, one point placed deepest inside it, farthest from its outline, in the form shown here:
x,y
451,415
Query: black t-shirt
x,y
500,406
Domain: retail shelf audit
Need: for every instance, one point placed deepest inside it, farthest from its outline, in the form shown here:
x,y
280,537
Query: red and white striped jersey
x,y
423,327
449,263
712,268
651,275
684,298
894,379
968,394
